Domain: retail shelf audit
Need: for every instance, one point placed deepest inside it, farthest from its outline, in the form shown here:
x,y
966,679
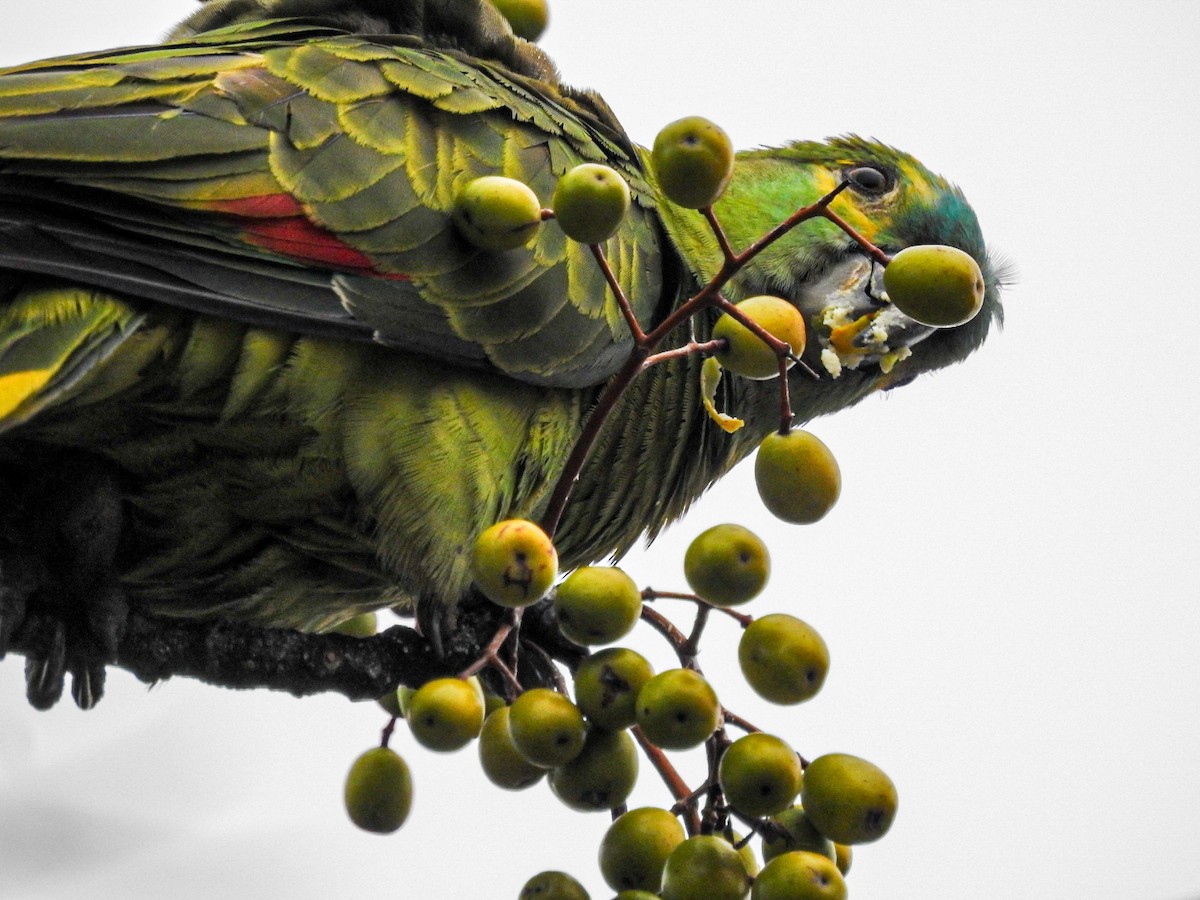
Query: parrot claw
x,y
434,619
87,682
45,667
62,604
58,646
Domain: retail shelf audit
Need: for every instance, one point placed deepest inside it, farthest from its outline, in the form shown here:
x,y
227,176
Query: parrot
x,y
251,370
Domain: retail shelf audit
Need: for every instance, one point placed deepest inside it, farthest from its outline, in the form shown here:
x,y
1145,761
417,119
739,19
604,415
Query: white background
x,y
1008,586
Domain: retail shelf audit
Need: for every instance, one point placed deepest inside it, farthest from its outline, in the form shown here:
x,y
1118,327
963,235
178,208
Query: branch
x,y
241,656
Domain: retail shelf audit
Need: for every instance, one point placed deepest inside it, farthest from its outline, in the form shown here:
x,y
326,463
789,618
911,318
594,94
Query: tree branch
x,y
242,656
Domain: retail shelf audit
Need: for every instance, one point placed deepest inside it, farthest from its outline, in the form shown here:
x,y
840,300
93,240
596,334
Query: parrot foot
x,y
459,630
59,596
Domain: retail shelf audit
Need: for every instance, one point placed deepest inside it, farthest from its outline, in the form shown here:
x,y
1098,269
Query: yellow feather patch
x,y
845,205
18,387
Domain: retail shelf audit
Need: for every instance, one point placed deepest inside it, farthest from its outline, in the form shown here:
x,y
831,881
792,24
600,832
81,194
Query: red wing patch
x,y
276,222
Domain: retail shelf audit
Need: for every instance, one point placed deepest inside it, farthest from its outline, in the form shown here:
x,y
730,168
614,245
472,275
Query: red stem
x,y
670,775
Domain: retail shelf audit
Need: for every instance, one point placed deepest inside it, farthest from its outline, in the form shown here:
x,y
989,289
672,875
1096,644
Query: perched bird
x,y
249,368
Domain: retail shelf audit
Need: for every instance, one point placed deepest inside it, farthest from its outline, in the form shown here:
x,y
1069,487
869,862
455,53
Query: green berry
x,y
378,791
844,857
760,775
849,800
590,202
935,285
514,563
636,846
528,18
747,354
798,834
546,727
607,685
362,625
492,702
597,604
746,851
502,762
391,704
797,477
636,895
799,875
677,709
553,886
693,161
601,776
404,695
727,565
783,658
446,714
705,867
497,213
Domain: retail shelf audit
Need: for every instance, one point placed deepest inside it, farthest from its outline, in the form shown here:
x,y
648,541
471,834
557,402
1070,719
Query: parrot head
x,y
858,341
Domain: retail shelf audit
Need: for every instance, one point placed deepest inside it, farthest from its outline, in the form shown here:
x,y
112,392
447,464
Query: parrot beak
x,y
852,323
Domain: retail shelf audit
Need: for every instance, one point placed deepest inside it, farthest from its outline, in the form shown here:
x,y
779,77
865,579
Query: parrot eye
x,y
869,180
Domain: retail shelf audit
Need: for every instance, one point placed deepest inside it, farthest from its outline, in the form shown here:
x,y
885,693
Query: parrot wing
x,y
293,176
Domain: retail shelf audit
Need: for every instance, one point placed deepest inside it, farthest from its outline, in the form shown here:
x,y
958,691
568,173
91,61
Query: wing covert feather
x,y
302,146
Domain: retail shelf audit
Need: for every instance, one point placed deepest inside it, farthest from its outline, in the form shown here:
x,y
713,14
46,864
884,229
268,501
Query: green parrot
x,y
250,369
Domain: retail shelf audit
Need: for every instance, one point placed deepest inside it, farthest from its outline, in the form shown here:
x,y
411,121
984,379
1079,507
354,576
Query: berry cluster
x,y
805,814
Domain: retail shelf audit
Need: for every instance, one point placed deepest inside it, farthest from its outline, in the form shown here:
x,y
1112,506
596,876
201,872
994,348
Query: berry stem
x,y
509,676
734,719
714,804
645,342
704,347
650,594
719,233
609,397
692,646
676,638
685,798
387,732
626,307
785,398
490,655
867,247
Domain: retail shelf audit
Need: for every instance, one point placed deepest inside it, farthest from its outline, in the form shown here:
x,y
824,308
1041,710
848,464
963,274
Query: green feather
x,y
301,443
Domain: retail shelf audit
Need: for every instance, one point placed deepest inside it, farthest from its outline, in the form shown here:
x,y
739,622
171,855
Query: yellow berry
x,y
783,658
514,563
362,625
497,213
597,604
797,476
546,727
636,846
799,875
693,161
677,709
747,354
727,565
378,792
848,799
528,18
446,714
502,762
935,285
590,202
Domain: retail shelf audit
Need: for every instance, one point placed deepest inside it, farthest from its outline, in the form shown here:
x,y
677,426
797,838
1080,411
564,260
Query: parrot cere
x,y
254,365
